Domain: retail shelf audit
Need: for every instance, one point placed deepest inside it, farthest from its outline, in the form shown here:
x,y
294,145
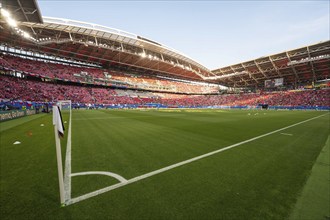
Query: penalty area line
x,y
144,176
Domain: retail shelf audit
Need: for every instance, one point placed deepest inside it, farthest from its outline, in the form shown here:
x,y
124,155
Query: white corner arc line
x,y
114,175
67,172
144,176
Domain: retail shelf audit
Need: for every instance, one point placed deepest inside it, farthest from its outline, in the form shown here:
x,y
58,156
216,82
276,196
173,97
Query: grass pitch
x,y
261,179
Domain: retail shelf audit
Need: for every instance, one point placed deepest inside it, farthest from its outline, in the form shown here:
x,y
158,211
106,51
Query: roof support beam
x,y
259,68
231,80
240,76
292,67
312,65
275,67
172,67
250,74
23,11
156,64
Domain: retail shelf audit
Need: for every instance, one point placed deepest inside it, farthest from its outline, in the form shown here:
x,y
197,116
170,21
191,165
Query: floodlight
x,y
12,22
5,13
26,35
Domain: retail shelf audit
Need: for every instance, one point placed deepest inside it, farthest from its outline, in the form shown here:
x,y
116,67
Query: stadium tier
x,y
31,90
29,79
99,76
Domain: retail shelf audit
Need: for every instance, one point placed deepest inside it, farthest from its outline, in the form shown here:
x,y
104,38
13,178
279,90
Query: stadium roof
x,y
305,64
106,46
24,10
103,45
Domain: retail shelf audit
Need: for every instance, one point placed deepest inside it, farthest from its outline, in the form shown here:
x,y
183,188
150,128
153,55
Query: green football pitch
x,y
162,164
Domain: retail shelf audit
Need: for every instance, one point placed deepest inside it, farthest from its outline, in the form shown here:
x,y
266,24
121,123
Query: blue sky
x,y
214,33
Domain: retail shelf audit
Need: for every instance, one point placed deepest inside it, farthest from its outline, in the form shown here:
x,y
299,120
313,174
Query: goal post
x,y
65,107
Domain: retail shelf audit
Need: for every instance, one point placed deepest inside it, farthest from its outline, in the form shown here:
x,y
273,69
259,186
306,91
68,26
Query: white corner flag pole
x,y
58,153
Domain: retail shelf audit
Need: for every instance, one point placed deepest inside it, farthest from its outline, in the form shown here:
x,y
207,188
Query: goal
x,y
65,105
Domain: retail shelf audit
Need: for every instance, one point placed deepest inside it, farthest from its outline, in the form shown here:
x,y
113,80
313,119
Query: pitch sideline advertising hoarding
x,y
9,115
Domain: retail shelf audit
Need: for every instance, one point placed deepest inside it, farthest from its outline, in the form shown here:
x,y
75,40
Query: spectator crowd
x,y
100,76
14,88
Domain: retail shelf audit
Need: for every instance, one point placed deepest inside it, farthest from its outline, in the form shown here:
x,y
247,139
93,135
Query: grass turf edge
x,y
314,201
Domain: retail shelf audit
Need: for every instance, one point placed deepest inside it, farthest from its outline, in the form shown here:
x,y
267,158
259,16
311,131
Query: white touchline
x,y
144,176
67,173
114,175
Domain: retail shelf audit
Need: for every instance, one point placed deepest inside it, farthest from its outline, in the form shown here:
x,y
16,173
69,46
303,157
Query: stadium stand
x,y
292,98
98,76
28,90
49,81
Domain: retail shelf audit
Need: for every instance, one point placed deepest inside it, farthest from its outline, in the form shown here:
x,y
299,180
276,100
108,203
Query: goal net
x,y
65,105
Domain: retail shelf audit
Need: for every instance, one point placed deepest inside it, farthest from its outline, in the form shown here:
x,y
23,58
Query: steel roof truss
x,y
292,66
312,65
250,74
275,67
257,65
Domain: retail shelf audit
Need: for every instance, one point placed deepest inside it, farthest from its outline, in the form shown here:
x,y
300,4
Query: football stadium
x,y
100,123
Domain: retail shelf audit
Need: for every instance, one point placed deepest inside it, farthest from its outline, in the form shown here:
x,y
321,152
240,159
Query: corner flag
x,y
59,132
57,121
